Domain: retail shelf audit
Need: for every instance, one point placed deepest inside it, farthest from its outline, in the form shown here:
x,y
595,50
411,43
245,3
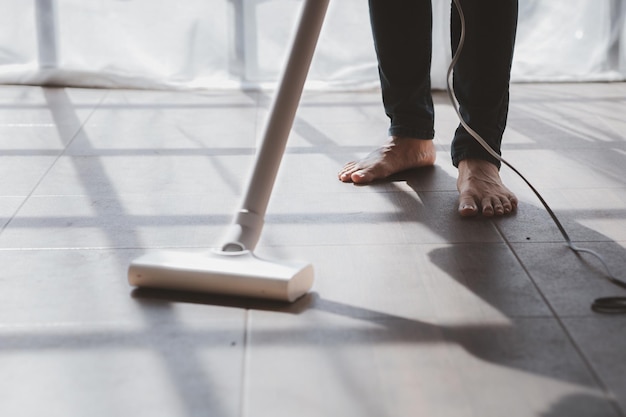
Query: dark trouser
x,y
403,40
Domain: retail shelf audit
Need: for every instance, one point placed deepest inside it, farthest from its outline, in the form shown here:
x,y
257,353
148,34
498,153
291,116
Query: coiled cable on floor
x,y
608,305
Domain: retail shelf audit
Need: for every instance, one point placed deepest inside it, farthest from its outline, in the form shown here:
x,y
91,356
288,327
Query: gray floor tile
x,y
8,207
601,341
563,169
148,123
366,281
31,139
118,370
461,283
323,108
131,221
21,174
371,218
579,212
414,311
112,176
477,282
607,163
42,107
83,288
338,364
569,282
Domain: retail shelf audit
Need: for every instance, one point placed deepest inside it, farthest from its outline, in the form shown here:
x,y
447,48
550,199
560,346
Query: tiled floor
x,y
414,312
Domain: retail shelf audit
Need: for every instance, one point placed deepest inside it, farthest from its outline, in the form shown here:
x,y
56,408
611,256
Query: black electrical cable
x,y
607,305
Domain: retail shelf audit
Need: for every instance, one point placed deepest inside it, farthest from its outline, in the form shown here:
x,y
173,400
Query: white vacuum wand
x,y
234,269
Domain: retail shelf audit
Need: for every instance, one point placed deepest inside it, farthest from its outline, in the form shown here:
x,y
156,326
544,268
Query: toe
x,y
346,172
498,208
507,207
487,207
509,204
345,176
467,206
361,176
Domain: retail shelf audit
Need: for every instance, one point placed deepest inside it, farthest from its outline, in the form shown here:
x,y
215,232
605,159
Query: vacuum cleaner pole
x,y
245,231
234,269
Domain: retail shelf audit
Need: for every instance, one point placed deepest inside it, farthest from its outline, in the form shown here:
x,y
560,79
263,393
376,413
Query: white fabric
x,y
242,43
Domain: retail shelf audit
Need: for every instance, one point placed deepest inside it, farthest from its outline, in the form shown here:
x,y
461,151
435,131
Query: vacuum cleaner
x,y
233,268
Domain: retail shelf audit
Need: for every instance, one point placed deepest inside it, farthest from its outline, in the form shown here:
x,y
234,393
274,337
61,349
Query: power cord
x,y
607,305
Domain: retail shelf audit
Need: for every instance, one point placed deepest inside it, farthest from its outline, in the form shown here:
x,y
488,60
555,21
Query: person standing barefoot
x,y
402,32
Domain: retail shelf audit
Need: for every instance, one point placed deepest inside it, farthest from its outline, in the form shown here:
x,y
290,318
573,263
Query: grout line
x,y
243,403
591,369
59,156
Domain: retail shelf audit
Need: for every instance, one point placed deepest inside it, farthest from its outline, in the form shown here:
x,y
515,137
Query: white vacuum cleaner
x,y
234,269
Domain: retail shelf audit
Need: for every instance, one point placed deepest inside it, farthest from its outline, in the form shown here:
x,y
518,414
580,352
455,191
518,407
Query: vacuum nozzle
x,y
235,270
238,273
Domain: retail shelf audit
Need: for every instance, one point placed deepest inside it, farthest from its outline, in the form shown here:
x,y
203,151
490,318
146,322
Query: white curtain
x,y
241,43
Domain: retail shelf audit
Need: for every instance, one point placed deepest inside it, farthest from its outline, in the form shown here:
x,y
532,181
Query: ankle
x,y
473,166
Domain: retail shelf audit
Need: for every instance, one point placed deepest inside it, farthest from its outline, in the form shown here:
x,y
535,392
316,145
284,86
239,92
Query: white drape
x,y
242,43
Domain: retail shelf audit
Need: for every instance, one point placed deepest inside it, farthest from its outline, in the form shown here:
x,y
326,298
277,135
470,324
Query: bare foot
x,y
395,155
481,190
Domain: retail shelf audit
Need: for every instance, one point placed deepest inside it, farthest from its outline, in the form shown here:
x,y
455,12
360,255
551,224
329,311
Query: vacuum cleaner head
x,y
238,273
236,270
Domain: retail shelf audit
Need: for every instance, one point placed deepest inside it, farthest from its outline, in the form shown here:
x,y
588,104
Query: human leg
x,y
481,83
402,38
482,73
